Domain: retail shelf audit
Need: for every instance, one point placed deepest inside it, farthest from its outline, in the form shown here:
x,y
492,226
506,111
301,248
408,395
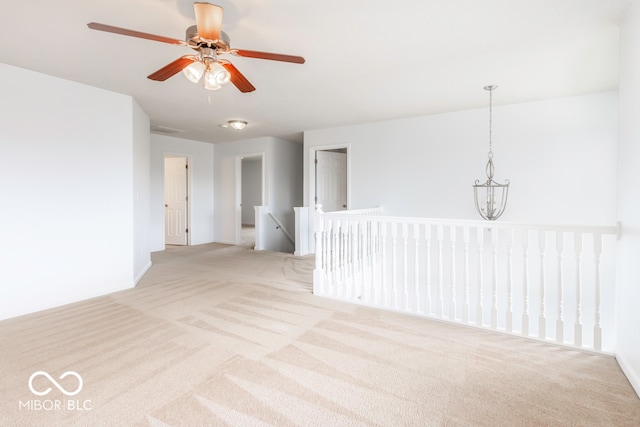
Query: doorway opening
x,y
176,200
331,179
250,193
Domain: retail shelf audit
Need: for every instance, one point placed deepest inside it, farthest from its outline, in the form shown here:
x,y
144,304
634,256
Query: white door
x,y
331,180
175,200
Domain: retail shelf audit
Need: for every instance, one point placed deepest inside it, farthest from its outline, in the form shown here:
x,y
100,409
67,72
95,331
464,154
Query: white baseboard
x,y
142,273
632,375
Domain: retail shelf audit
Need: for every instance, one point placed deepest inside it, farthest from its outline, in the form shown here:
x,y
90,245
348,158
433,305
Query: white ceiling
x,y
366,60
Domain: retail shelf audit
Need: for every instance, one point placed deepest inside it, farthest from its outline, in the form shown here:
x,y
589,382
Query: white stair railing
x,y
280,225
495,275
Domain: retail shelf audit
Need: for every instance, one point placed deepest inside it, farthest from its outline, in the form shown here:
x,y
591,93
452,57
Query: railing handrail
x,y
365,211
281,226
601,229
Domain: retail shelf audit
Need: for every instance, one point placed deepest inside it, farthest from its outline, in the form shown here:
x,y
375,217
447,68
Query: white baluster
x,y
405,267
368,260
394,263
440,312
542,320
525,282
560,319
578,325
509,323
452,305
356,261
376,261
494,281
344,259
597,330
361,257
416,269
349,260
320,271
383,279
480,302
465,309
326,238
374,244
342,254
427,294
365,238
335,251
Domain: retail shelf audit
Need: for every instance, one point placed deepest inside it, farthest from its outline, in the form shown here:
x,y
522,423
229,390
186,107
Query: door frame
x,y
312,171
188,158
238,193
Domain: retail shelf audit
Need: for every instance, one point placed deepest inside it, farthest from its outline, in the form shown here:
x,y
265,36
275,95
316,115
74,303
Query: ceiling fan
x,y
209,41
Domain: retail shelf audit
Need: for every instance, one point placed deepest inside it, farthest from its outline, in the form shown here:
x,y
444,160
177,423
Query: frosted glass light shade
x,y
237,124
222,76
194,71
210,81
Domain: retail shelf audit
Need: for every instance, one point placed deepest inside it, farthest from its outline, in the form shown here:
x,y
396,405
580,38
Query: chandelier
x,y
490,196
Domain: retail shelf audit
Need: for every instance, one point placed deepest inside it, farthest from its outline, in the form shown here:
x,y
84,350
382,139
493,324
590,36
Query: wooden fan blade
x,y
208,20
171,69
270,56
237,78
125,32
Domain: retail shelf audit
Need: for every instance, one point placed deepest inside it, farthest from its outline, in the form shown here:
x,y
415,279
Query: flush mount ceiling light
x,y
490,196
237,124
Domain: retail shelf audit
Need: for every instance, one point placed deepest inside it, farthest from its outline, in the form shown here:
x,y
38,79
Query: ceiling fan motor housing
x,y
196,42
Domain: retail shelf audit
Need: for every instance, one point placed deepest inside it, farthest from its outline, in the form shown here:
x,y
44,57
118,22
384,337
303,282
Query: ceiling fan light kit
x,y
209,41
207,64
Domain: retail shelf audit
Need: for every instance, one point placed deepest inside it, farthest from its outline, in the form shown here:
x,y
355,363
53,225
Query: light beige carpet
x,y
223,335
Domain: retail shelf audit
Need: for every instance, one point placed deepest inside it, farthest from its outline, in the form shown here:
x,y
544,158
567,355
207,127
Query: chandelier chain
x,y
490,121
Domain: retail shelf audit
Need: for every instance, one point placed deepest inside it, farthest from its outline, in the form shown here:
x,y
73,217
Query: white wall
x,y
141,187
628,268
559,154
251,189
200,155
227,159
287,186
281,181
67,186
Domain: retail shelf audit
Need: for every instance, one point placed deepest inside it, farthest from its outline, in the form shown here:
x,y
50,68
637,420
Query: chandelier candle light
x,y
490,196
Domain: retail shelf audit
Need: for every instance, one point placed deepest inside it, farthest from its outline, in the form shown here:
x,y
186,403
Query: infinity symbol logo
x,y
58,386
